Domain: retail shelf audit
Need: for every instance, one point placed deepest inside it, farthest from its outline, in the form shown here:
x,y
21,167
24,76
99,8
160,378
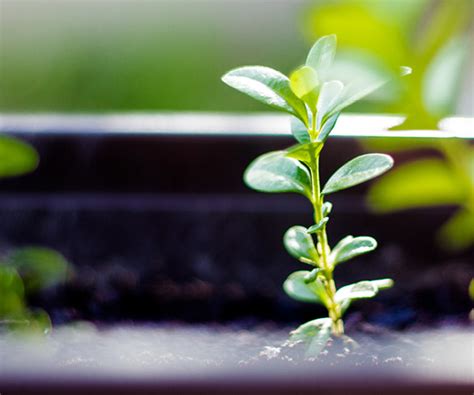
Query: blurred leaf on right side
x,y
421,183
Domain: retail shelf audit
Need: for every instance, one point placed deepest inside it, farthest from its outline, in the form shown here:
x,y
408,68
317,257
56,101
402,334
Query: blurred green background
x,y
115,55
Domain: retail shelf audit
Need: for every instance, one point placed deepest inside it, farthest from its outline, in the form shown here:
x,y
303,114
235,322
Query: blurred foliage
x,y
23,272
432,37
137,56
16,157
27,270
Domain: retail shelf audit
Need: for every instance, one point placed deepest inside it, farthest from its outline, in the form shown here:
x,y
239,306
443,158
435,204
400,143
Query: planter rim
x,y
217,124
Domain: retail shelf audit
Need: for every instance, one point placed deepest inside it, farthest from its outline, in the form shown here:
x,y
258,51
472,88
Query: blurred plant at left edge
x,y
433,36
27,270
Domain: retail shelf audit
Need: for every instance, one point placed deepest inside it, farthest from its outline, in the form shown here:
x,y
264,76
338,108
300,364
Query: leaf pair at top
x,y
308,88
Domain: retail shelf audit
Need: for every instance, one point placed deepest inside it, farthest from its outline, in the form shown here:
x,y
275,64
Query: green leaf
x,y
304,152
383,283
12,301
357,171
299,131
327,208
328,98
421,183
321,55
274,172
458,232
296,288
16,157
300,245
304,83
39,267
315,334
354,92
267,86
350,247
312,275
327,128
360,290
317,227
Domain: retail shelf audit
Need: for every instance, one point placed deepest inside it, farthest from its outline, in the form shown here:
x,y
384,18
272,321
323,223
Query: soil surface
x,y
187,350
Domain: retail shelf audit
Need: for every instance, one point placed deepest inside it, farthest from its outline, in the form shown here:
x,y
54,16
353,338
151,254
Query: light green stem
x,y
317,200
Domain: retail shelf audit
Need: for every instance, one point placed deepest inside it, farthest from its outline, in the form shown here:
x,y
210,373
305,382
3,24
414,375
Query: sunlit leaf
x,y
315,334
424,182
300,245
321,55
16,157
267,86
350,247
296,287
357,171
304,83
274,172
304,152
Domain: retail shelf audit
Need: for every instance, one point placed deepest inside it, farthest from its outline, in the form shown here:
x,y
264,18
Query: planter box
x,y
152,212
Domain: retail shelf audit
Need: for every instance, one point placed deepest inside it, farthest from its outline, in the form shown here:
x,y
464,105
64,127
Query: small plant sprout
x,y
315,102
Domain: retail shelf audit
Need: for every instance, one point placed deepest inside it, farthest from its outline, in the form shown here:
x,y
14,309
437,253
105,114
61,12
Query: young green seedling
x,y
315,104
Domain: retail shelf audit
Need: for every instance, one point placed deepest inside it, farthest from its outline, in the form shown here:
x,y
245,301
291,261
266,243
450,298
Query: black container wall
x,y
161,227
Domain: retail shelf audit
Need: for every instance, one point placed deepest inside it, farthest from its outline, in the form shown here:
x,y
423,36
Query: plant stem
x,y
333,307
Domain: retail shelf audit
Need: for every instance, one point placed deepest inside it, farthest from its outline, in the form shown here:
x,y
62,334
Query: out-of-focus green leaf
x,y
274,172
39,267
458,232
443,77
11,293
304,152
359,25
299,131
300,245
425,182
350,247
321,55
328,98
355,92
16,157
267,86
315,334
296,287
304,83
357,171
